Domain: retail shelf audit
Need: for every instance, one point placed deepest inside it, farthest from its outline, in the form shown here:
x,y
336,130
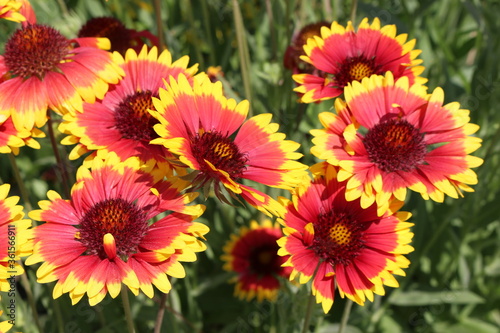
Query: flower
x,y
14,235
389,136
121,38
214,73
9,10
11,139
209,134
253,255
120,122
104,235
295,50
42,69
339,244
346,56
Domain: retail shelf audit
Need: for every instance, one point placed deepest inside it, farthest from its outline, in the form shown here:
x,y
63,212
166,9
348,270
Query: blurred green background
x,y
452,284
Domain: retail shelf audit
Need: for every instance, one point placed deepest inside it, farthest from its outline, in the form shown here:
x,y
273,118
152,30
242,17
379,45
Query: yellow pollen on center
x,y
360,70
223,150
340,234
398,135
141,107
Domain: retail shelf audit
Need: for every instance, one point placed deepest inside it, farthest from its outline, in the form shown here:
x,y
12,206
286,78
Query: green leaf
x,y
417,298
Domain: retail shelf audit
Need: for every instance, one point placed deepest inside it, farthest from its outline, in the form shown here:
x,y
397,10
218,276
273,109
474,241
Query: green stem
x,y
126,309
161,313
327,9
194,32
31,300
100,315
310,303
159,25
243,53
309,310
345,316
354,8
20,183
61,166
59,319
64,8
269,10
208,34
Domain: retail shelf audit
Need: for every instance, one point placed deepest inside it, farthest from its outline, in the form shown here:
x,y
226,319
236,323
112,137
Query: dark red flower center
x,y
395,145
355,69
220,151
35,50
309,31
123,219
132,118
291,59
108,27
338,238
264,259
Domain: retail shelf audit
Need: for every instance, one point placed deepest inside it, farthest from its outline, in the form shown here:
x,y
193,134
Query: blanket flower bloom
x,y
389,136
121,37
14,235
9,10
41,69
104,236
120,122
291,58
339,244
342,55
253,255
210,135
11,139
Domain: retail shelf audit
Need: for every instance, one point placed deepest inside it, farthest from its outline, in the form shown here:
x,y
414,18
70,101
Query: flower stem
x,y
63,7
20,182
29,294
206,25
309,309
161,313
310,303
159,25
345,316
243,52
58,314
354,8
60,164
126,308
269,11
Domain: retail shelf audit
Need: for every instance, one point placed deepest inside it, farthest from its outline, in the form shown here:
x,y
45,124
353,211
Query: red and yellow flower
x,y
14,237
120,122
210,134
104,235
339,244
41,69
342,55
292,60
121,37
253,255
11,139
389,136
9,10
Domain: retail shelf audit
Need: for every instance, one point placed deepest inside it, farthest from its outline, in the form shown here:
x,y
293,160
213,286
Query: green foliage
x,y
452,283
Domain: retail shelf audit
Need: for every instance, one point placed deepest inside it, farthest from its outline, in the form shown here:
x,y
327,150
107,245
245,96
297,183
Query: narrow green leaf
x,y
417,298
